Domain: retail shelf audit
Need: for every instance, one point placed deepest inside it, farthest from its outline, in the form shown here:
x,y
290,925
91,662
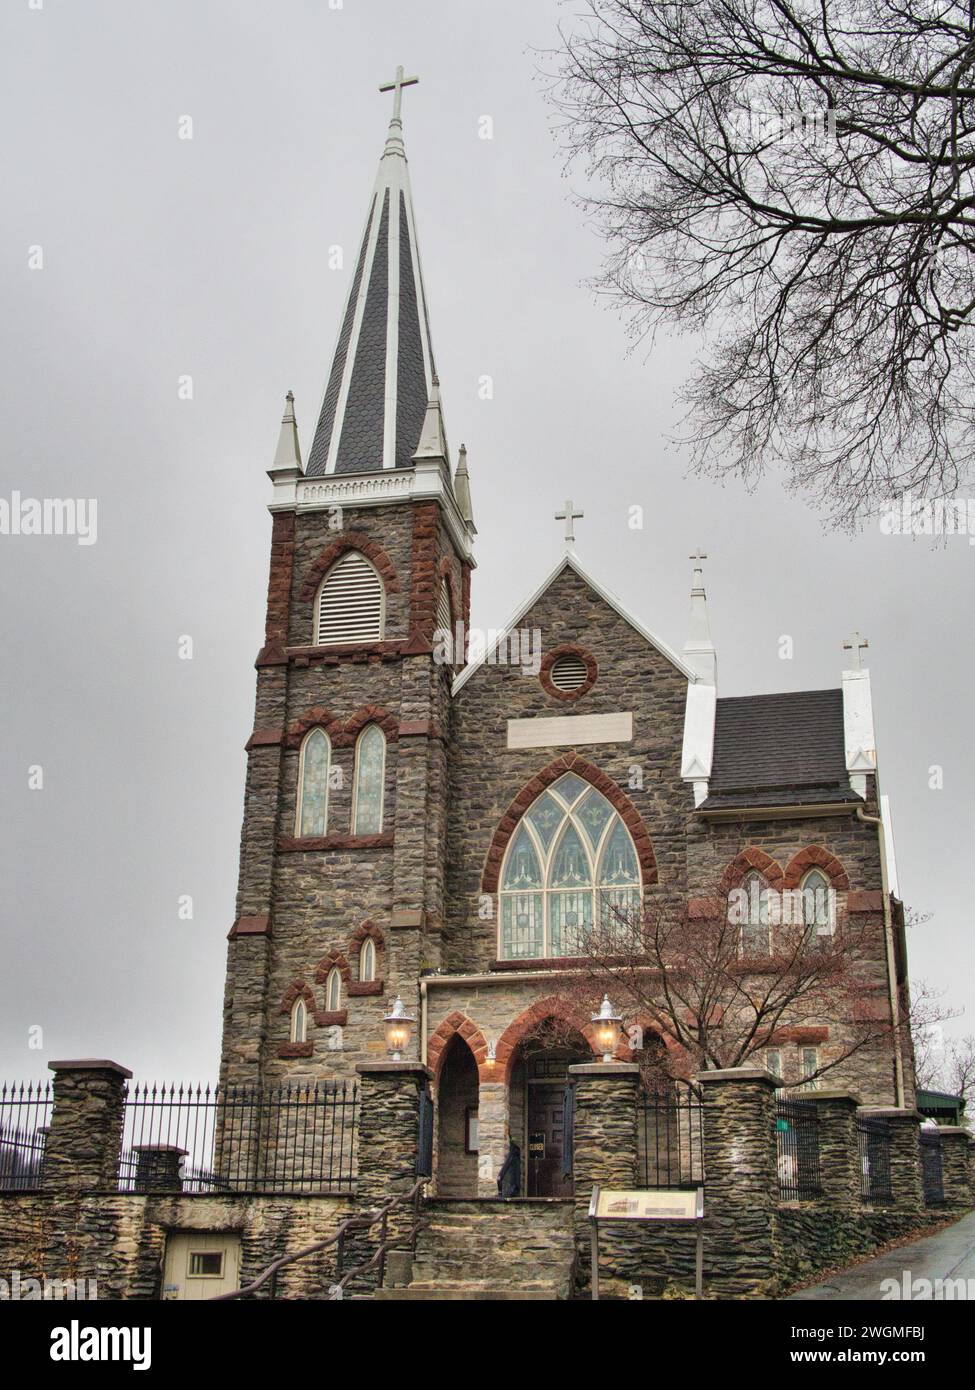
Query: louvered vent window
x,y
350,603
569,673
444,621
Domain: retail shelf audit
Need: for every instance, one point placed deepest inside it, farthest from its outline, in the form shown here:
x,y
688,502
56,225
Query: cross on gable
x,y
397,85
856,644
569,516
698,557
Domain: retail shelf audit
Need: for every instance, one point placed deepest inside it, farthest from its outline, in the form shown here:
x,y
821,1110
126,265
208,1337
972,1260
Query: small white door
x,y
201,1266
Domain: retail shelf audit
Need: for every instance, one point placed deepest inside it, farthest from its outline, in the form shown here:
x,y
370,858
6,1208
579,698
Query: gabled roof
x,y
779,750
383,369
571,561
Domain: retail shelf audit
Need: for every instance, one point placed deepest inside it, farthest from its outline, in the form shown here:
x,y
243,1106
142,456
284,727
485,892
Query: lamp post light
x,y
608,1026
398,1025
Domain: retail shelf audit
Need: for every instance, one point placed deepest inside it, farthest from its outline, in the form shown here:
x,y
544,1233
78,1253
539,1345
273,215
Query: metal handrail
x,y
353,1223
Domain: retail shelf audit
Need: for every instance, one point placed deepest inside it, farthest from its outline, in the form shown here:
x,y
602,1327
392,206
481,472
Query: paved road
x,y
948,1255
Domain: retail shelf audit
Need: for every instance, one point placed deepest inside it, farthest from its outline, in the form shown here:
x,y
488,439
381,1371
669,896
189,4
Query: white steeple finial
x,y
699,650
462,490
288,452
394,139
569,517
433,436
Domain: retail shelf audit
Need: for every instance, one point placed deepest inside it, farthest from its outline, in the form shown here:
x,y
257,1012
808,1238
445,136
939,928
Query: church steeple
x,y
382,375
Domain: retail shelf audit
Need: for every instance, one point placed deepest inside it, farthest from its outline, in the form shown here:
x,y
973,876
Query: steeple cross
x,y
698,557
397,85
856,644
569,516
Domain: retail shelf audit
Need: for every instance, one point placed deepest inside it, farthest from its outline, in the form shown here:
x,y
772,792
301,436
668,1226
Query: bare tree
x,y
723,977
797,176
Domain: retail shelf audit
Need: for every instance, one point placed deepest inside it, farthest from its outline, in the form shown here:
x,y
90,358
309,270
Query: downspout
x,y
423,1021
889,949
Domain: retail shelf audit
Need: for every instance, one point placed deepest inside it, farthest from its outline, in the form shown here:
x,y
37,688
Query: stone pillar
x,y
491,1126
85,1136
605,1151
157,1167
740,1180
955,1167
906,1208
389,1131
841,1229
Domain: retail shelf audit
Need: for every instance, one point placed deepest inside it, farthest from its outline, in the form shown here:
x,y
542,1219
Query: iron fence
x,y
240,1138
25,1113
797,1148
873,1145
671,1137
932,1168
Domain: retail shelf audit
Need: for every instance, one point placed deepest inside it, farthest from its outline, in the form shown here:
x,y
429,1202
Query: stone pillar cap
x,y
158,1149
853,1096
609,1069
739,1074
408,1068
953,1131
892,1112
90,1064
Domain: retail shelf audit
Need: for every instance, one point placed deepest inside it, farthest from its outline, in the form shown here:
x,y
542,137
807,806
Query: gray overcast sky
x,y
209,257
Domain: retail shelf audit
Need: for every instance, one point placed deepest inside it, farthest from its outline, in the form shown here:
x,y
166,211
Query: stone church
x,y
439,824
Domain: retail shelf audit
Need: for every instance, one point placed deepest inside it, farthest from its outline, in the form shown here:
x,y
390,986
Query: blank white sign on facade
x,y
569,730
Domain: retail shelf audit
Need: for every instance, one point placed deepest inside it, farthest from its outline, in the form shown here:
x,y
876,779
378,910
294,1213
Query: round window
x,y
569,673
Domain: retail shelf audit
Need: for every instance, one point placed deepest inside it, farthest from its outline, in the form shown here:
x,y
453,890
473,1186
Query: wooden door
x,y
546,1135
200,1266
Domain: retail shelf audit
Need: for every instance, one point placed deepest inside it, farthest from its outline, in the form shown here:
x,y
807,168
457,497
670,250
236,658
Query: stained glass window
x,y
370,774
312,817
756,938
570,863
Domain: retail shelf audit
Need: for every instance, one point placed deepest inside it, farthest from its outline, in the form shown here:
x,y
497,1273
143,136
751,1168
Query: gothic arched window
x,y
754,916
350,604
570,857
333,991
367,961
299,1021
313,770
817,904
370,776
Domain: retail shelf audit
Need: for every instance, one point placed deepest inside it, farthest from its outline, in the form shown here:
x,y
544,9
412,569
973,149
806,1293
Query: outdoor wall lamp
x,y
398,1025
608,1026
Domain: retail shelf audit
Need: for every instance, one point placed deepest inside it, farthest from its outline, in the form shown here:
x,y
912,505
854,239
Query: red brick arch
x,y
458,1024
342,734
751,859
815,857
526,1023
325,966
298,990
350,540
680,1059
568,762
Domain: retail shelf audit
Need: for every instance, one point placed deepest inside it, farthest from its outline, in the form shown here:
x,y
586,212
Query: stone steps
x,y
491,1250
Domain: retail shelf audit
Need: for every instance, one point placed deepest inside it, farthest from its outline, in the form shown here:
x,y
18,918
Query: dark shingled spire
x,y
383,370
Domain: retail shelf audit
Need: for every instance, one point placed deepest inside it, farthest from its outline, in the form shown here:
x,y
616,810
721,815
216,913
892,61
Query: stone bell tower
x,y
345,801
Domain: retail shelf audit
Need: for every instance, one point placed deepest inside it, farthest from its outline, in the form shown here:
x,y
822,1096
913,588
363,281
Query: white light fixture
x,y
398,1025
608,1026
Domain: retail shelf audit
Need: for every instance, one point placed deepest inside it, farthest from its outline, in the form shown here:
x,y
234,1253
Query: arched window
x,y
756,931
571,856
350,606
370,776
367,961
313,772
333,990
817,904
299,1021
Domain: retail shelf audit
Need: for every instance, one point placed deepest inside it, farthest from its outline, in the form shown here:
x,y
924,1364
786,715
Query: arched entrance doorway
x,y
537,1102
457,1097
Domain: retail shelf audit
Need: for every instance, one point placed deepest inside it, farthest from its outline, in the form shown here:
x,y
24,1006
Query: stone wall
x,y
119,1239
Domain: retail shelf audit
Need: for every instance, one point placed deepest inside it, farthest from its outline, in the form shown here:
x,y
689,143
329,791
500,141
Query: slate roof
x,y
382,372
779,750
